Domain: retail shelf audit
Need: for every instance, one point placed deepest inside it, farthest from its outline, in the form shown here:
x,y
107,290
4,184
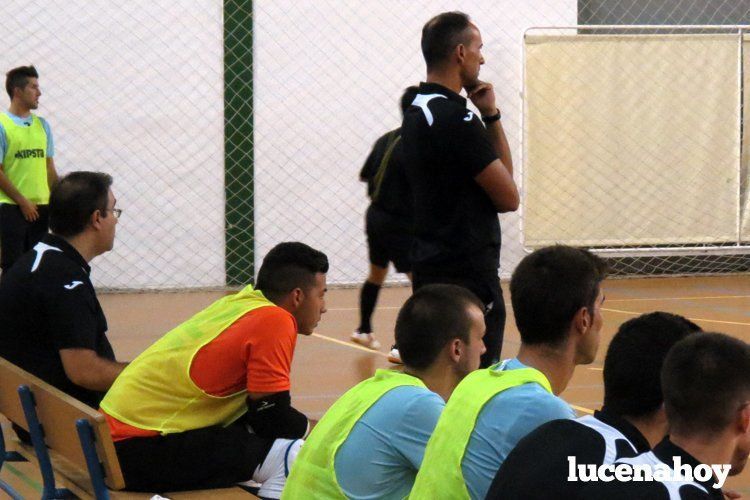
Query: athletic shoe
x,y
366,340
394,356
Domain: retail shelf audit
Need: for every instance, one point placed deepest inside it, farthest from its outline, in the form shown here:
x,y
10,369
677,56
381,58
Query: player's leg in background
x,y
486,286
368,298
377,248
494,319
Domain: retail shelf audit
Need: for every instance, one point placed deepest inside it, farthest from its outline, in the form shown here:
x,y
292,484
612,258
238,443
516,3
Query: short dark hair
x,y
549,286
632,367
18,78
430,319
75,197
287,266
441,34
705,380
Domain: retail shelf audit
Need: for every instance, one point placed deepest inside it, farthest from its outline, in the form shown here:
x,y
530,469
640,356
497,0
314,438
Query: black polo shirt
x,y
385,175
445,147
665,452
537,468
47,303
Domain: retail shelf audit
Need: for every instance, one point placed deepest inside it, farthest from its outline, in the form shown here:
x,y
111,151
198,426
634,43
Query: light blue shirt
x,y
502,423
382,454
22,122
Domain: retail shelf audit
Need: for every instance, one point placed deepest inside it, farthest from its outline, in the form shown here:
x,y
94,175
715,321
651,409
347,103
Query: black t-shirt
x,y
537,468
664,452
445,146
385,175
47,303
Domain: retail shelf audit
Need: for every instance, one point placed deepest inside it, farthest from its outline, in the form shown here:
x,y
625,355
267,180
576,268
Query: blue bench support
x,y
8,456
96,468
50,491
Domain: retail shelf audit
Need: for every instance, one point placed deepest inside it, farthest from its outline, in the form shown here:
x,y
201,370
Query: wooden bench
x,y
72,439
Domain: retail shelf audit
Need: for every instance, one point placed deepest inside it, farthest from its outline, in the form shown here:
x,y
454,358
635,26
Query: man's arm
x,y
50,154
85,368
268,337
28,208
271,415
500,143
497,178
499,185
51,173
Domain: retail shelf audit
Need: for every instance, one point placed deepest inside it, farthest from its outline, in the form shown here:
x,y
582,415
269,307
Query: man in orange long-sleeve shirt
x,y
208,405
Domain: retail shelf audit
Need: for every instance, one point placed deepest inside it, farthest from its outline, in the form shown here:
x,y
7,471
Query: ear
x,y
743,419
297,297
95,218
460,51
455,350
582,320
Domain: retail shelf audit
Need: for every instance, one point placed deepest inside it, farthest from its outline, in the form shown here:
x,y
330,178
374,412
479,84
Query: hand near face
x,y
483,97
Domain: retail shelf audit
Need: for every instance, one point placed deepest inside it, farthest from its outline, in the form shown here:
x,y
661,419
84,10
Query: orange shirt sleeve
x,y
254,353
268,354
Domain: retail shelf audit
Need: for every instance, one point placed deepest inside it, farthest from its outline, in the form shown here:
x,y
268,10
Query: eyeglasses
x,y
117,212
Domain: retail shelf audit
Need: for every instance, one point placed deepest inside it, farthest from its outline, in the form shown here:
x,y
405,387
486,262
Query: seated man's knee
x,y
273,471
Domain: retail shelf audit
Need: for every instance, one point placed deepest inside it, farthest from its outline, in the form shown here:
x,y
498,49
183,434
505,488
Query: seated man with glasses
x,y
52,323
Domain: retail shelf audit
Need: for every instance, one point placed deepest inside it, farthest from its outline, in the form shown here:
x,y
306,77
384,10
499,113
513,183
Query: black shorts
x,y
17,235
211,457
485,284
389,239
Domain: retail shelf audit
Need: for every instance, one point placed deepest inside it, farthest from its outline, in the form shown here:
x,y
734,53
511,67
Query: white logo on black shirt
x,y
73,284
421,101
264,405
469,116
40,248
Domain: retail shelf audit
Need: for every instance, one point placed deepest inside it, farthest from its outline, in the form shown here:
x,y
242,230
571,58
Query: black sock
x,y
368,297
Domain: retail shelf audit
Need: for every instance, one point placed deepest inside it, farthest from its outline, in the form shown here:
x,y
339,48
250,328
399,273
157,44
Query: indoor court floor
x,y
326,364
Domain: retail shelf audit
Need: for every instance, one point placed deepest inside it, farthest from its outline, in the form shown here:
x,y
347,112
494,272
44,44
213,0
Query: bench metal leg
x,y
8,456
96,470
50,491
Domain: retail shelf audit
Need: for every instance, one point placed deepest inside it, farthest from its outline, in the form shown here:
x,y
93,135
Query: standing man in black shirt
x,y
632,420
388,223
460,169
52,323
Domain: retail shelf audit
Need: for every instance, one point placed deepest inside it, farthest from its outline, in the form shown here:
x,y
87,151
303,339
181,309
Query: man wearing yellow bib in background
x,y
371,442
27,168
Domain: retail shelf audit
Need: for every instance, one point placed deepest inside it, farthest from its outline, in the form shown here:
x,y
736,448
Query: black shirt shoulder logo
x,y
73,284
421,101
40,248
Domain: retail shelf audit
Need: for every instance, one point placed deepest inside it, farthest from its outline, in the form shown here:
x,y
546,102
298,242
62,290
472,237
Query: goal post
x,y
633,143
